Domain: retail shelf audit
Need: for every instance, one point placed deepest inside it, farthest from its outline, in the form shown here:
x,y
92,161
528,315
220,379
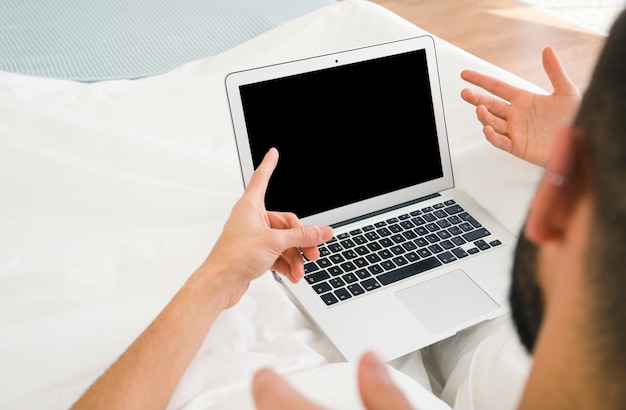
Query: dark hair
x,y
601,123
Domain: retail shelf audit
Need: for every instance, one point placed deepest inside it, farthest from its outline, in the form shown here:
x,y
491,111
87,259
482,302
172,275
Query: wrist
x,y
219,285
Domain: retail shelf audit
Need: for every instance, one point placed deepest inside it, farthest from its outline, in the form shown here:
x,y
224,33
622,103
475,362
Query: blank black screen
x,y
346,133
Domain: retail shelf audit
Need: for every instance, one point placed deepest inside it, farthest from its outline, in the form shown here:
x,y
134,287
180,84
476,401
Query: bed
x,y
113,191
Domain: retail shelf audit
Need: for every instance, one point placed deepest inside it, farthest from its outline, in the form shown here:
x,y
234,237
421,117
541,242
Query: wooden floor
x,y
506,33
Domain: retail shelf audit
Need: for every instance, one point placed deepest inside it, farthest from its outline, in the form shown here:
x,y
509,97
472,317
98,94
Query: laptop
x,y
363,148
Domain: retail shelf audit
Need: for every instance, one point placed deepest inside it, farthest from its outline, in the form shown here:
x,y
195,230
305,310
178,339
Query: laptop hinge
x,y
382,211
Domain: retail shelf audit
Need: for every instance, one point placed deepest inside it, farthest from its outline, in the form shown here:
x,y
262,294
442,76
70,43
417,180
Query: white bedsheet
x,y
112,193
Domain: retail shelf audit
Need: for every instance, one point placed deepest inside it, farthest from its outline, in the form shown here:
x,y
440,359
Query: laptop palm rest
x,y
446,301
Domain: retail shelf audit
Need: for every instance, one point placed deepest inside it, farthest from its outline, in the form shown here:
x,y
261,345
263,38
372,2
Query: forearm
x,y
147,373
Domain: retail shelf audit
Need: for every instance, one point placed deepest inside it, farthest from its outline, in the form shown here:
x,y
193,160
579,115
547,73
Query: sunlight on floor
x,y
596,15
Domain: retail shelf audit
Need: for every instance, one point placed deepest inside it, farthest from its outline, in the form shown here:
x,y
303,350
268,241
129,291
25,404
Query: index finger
x,y
261,176
496,87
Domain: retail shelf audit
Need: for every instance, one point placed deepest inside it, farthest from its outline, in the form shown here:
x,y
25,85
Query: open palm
x,y
519,121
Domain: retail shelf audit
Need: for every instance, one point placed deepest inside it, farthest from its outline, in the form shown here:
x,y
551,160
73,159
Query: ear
x,y
558,191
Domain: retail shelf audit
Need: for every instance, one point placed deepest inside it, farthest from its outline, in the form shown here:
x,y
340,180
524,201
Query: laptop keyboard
x,y
354,263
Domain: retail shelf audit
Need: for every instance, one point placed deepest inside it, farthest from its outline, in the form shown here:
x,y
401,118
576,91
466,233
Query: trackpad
x,y
446,301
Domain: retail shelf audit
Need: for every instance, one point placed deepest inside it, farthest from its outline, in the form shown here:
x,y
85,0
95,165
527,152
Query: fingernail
x,y
374,364
261,377
325,232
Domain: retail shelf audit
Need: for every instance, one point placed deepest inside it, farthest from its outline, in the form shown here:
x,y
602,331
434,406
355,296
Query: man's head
x,y
601,123
569,277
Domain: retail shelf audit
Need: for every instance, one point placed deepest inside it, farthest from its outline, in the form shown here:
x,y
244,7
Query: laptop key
x,y
482,245
350,278
335,270
334,247
317,277
322,287
459,253
370,284
342,294
360,262
435,248
397,250
395,228
409,270
383,232
446,257
458,240
324,263
412,257
356,289
429,217
385,254
468,218
454,209
310,267
418,221
361,250
446,245
347,243
400,261
329,299
349,254
477,234
359,240
421,242
386,242
348,266
375,269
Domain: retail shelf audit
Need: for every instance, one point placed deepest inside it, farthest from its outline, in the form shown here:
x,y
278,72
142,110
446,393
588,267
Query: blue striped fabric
x,y
94,40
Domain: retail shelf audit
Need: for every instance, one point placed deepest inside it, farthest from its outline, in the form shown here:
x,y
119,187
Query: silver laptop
x,y
363,148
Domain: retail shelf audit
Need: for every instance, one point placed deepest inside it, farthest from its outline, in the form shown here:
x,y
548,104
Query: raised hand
x,y
254,240
519,121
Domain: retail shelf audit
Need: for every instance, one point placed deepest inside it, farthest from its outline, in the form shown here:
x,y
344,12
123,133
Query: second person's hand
x,y
519,121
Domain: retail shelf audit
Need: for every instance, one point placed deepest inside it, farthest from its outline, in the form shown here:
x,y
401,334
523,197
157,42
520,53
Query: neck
x,y
561,376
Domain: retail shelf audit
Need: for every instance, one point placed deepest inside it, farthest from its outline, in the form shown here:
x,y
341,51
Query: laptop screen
x,y
345,133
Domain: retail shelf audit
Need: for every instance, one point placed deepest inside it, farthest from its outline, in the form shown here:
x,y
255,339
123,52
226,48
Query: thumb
x,y
378,391
556,73
271,392
308,237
